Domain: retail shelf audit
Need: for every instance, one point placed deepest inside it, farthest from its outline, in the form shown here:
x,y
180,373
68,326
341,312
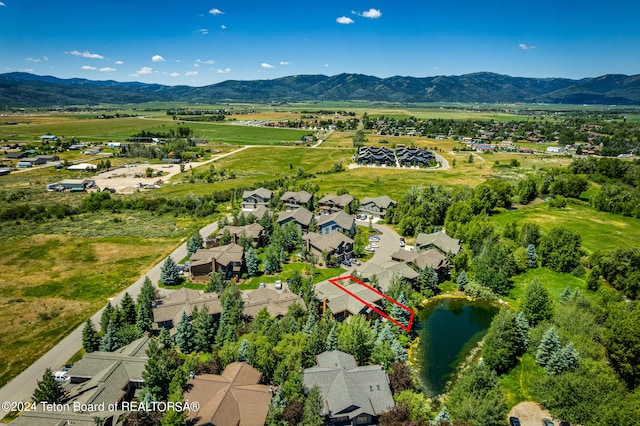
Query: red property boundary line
x,y
406,328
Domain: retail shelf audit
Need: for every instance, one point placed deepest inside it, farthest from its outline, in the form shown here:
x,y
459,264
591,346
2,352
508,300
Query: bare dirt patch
x,y
531,414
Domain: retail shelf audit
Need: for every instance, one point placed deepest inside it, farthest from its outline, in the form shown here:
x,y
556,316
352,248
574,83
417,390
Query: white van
x,y
61,376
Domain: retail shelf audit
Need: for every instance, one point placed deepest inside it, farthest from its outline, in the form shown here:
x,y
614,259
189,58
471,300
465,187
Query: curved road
x,y
21,387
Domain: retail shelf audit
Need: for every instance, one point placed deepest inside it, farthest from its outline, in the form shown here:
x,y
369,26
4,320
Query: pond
x,y
449,329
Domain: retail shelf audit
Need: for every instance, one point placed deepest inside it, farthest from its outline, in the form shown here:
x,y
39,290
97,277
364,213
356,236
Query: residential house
x,y
375,155
422,259
258,212
255,231
338,221
334,244
555,150
333,203
343,305
16,155
35,161
228,258
294,200
234,397
276,302
48,158
351,394
438,240
301,217
76,184
256,198
376,207
414,157
387,272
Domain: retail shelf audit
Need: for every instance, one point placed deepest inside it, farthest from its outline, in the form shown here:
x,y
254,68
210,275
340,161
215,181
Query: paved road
x,y
21,388
389,243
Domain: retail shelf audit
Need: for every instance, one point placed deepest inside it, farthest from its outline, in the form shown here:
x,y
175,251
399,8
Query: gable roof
x,y
300,197
339,301
231,398
185,300
382,201
338,200
341,218
258,212
387,272
328,242
301,216
277,303
422,259
252,230
346,389
224,255
263,193
440,240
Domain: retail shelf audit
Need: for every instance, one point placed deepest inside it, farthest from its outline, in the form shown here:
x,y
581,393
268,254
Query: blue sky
x,y
197,42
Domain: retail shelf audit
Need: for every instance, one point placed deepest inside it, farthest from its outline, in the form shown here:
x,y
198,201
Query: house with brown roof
x,y
387,272
331,203
233,398
376,207
338,221
423,259
438,240
300,216
343,305
228,258
335,244
255,231
351,394
251,200
293,200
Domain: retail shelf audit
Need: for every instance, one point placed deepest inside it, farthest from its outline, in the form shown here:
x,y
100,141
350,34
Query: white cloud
x,y
208,61
284,63
88,68
28,70
119,62
326,65
107,69
85,54
344,20
143,71
32,59
224,27
157,58
524,46
2,4
203,31
224,71
196,65
266,65
371,13
216,11
191,73
174,74
45,58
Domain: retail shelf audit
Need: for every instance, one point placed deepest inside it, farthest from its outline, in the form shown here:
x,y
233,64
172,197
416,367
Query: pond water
x,y
449,330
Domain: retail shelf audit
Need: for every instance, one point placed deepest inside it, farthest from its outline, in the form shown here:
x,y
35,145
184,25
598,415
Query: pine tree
x,y
332,339
532,256
566,294
312,408
184,334
570,355
593,278
522,330
549,345
216,282
252,262
165,339
109,342
442,416
272,256
203,329
536,303
428,281
105,318
158,371
90,337
242,350
311,323
169,273
194,243
128,307
462,280
501,342
144,317
48,389
400,314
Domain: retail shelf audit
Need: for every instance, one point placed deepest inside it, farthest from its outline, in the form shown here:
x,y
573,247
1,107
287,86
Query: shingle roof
x,y
327,242
440,240
253,230
185,300
277,303
338,200
260,192
346,389
339,301
387,272
382,201
422,259
301,216
341,218
223,255
258,212
300,197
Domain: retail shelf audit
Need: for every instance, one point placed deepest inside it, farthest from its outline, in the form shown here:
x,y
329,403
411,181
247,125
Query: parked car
x,y
514,421
278,285
374,245
374,238
263,285
355,262
369,248
547,422
346,262
401,243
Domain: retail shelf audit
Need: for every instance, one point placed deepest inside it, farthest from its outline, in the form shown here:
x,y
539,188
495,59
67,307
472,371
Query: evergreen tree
x,y
536,303
242,350
332,339
522,330
169,273
295,282
252,262
165,339
549,345
593,278
566,294
147,292
105,318
399,314
159,371
311,323
90,337
442,416
501,342
194,243
428,281
312,408
462,280
203,329
565,358
216,282
271,262
532,256
128,308
184,334
109,342
144,316
48,389
230,317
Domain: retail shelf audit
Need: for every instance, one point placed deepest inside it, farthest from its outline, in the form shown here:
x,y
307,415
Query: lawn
x,y
516,384
287,271
554,282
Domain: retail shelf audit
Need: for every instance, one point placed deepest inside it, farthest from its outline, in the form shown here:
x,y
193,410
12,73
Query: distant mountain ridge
x,y
29,90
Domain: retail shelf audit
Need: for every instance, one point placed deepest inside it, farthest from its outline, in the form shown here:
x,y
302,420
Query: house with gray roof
x,y
255,231
387,272
423,259
293,200
438,240
331,203
300,216
251,200
228,258
338,221
376,207
334,244
351,394
343,305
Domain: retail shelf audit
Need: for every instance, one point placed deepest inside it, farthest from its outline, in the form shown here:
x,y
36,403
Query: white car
x,y
278,285
372,245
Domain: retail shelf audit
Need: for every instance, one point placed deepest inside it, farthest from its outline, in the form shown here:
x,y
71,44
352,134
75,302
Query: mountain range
x,y
29,90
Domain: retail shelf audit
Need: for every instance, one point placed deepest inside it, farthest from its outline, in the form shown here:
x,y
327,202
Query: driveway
x,y
388,244
21,387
